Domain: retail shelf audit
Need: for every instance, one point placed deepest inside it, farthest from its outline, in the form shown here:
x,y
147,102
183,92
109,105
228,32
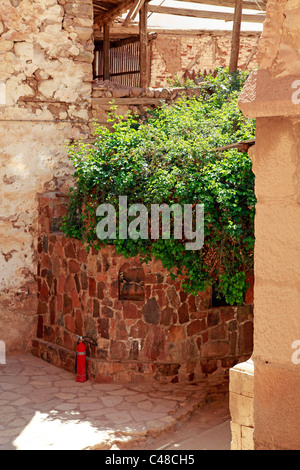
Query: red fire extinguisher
x,y
80,361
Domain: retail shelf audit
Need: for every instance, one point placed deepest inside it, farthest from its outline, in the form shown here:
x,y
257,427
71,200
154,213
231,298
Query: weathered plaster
x,y
45,65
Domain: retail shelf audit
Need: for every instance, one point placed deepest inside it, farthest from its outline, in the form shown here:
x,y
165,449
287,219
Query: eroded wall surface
x,y
272,96
45,98
174,54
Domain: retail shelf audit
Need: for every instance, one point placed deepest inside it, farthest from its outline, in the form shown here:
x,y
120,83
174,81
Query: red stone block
x,y
59,302
44,292
45,261
176,333
103,327
249,295
204,337
162,298
204,299
107,312
92,287
103,379
218,332
96,308
155,344
209,366
191,304
84,280
196,327
49,334
67,304
173,297
59,249
77,283
150,278
74,266
148,291
82,255
69,250
121,331
167,316
53,310
226,314
67,341
56,267
69,323
130,310
139,330
215,349
183,313
245,341
100,290
183,295
42,307
70,284
118,350
75,299
78,323
40,327
213,318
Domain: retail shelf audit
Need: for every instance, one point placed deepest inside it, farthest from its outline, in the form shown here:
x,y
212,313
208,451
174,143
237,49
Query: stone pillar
x,y
272,96
241,405
46,54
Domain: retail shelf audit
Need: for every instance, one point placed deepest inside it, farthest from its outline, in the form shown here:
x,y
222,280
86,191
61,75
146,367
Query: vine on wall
x,y
170,158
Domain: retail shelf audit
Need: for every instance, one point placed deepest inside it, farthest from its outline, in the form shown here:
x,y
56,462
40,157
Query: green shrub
x,y
171,158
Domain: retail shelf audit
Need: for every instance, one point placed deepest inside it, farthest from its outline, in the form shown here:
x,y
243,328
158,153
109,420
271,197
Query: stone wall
x,y
47,99
135,100
174,54
45,73
146,326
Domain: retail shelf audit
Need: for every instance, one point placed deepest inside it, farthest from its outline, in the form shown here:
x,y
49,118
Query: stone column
x,y
272,96
46,54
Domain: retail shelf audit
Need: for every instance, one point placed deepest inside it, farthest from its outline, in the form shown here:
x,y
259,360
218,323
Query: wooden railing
x,y
124,62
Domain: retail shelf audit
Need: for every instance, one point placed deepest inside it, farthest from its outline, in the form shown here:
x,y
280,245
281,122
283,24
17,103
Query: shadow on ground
x,y
43,408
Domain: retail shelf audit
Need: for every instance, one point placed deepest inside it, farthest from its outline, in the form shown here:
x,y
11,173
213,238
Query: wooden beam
x,y
127,101
137,5
144,57
113,13
106,47
119,32
236,36
260,5
205,14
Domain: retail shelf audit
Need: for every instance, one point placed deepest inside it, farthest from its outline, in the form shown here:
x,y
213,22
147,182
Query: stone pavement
x,y
42,407
207,429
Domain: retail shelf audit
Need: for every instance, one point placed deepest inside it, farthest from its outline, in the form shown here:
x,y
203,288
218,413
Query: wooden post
x,y
106,47
144,60
236,34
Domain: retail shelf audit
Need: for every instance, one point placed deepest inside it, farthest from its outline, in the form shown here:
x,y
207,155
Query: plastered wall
x,y
45,75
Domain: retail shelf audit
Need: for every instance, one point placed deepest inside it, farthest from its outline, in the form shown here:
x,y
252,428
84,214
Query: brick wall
x,y
146,326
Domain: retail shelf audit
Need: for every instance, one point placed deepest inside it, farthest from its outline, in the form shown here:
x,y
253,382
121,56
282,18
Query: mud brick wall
x,y
173,54
146,326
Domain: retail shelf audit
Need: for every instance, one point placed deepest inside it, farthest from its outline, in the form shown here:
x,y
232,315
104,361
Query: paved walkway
x,y
42,407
